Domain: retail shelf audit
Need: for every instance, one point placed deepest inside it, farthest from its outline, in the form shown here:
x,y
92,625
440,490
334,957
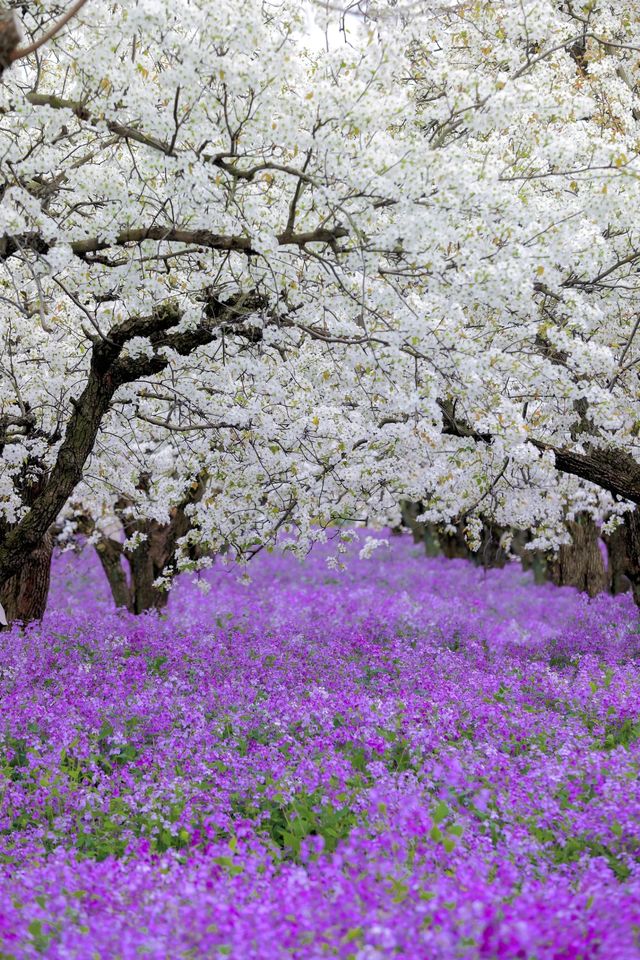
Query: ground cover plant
x,y
265,266
413,758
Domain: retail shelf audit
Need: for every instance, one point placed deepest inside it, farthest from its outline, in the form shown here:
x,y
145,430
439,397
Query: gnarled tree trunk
x,y
624,555
24,596
147,562
618,561
580,563
154,555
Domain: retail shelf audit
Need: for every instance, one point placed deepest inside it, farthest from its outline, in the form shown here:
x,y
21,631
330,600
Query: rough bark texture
x,y
624,555
24,596
9,38
613,470
580,563
110,555
154,556
453,546
618,561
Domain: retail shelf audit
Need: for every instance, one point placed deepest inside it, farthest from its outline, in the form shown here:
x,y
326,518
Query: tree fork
x,y
10,35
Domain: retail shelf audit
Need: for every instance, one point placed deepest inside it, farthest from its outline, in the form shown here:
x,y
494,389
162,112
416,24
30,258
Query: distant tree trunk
x,y
436,542
110,555
426,533
491,553
409,511
632,526
431,541
580,563
618,561
148,562
24,596
624,554
154,555
534,560
453,545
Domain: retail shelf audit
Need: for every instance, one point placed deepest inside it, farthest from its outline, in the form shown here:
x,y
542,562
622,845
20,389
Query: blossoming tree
x,y
264,281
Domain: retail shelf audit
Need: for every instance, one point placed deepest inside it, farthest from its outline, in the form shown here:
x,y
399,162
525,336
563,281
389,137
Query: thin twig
x,y
56,28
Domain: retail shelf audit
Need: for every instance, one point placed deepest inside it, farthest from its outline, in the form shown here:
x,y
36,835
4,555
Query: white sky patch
x,y
328,28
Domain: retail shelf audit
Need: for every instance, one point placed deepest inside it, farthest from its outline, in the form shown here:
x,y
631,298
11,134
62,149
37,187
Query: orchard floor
x,y
413,759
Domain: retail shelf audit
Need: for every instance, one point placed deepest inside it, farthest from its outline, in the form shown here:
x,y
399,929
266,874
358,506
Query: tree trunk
x,y
618,561
409,511
437,543
136,593
9,38
24,596
624,554
491,553
110,555
580,563
534,560
154,556
453,546
426,533
148,562
108,371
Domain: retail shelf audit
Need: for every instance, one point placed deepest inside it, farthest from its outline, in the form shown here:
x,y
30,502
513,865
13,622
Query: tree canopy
x,y
311,279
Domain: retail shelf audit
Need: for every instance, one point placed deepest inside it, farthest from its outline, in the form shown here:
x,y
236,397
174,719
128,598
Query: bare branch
x,y
55,29
9,245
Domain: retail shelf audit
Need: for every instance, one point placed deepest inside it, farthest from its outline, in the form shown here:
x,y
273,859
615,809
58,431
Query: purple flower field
x,y
414,759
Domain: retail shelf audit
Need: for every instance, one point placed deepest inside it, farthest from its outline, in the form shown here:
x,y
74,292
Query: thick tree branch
x,y
82,112
612,469
10,245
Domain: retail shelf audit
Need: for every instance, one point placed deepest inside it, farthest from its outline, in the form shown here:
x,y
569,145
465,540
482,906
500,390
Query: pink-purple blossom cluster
x,y
412,759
